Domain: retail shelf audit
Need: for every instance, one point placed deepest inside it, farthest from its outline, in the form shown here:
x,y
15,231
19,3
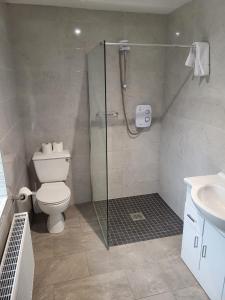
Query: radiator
x,y
17,266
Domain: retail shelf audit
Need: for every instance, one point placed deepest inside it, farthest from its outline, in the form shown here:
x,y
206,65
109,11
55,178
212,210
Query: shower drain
x,y
138,216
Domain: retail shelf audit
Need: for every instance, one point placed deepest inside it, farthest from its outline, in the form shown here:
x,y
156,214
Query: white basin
x,y
210,200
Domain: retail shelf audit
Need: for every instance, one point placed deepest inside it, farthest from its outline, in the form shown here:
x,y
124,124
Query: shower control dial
x,y
143,116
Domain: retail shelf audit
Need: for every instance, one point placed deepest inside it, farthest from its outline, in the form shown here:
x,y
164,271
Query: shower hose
x,y
123,77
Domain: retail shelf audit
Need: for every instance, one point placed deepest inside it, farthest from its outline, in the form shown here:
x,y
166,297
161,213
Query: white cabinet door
x,y
212,263
223,297
192,236
191,246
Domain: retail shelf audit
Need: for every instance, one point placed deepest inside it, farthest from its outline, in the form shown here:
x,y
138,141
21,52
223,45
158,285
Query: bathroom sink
x,y
210,201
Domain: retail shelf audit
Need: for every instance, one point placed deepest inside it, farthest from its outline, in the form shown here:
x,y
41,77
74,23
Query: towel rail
x,y
149,45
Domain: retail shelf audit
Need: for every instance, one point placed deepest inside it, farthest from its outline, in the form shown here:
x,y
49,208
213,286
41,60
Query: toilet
x,y
54,195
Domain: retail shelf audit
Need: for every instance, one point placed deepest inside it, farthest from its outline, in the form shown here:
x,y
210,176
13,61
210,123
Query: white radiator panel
x,y
17,266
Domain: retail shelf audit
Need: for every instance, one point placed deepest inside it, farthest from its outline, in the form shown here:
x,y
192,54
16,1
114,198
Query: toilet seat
x,y
53,193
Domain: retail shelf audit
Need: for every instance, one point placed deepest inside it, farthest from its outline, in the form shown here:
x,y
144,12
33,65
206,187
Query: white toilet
x,y
54,195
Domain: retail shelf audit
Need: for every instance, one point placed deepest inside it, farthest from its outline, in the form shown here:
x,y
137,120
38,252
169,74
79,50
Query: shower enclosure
x,y
124,159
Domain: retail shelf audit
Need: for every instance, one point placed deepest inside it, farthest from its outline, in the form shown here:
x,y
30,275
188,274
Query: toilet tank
x,y
51,167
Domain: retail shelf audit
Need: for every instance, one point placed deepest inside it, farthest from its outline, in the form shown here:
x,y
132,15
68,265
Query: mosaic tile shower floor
x,y
138,218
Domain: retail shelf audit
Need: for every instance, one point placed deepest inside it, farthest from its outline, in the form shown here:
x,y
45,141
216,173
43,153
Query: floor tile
x,y
86,212
72,212
68,243
122,257
90,226
191,293
60,269
43,293
43,248
72,217
146,282
110,286
75,241
91,241
162,248
130,256
78,265
105,261
176,274
159,249
171,245
164,296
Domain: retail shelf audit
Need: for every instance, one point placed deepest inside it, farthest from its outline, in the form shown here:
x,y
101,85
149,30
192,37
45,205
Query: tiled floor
x,y
159,219
74,265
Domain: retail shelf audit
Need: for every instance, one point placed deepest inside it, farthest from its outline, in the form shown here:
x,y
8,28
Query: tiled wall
x,y
52,85
52,88
11,134
193,130
134,162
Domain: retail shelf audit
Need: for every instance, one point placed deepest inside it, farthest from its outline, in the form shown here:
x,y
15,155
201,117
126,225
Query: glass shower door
x,y
98,135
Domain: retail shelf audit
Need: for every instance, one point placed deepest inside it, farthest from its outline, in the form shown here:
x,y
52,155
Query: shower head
x,y
124,47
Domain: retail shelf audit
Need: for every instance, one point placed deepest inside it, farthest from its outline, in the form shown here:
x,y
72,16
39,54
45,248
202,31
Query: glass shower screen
x,y
98,135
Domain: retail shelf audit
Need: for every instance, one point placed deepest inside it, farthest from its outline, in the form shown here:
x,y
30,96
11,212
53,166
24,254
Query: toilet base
x,y
55,223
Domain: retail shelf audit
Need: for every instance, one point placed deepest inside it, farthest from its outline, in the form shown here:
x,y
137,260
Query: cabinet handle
x,y
204,249
196,242
190,217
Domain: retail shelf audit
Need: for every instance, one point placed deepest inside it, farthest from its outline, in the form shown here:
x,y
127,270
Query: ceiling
x,y
147,6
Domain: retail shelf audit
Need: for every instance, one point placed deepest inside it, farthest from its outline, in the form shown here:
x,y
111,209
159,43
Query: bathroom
x,y
72,75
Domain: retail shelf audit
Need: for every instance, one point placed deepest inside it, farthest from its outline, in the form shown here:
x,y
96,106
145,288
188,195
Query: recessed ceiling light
x,y
177,33
77,31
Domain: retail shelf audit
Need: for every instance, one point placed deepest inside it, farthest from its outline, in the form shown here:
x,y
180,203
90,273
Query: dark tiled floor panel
x,y
160,220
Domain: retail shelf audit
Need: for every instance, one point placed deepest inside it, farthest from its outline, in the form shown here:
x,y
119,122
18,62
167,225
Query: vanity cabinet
x,y
223,297
203,251
192,236
212,262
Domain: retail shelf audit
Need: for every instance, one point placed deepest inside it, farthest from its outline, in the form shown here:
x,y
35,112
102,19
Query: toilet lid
x,y
53,193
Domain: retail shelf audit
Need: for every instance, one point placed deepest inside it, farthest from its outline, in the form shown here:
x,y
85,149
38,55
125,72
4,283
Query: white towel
x,y
190,62
198,59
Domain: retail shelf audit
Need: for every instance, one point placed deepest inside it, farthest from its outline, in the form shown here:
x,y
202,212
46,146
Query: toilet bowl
x,y
53,199
53,196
